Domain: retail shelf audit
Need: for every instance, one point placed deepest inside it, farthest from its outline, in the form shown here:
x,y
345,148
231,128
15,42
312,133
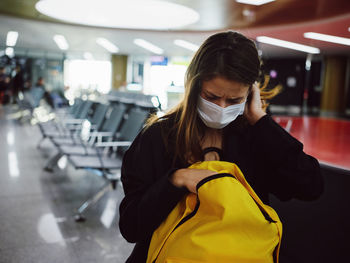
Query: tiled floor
x,y
37,208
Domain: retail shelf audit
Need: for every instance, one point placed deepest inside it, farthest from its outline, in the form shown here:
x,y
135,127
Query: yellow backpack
x,y
225,222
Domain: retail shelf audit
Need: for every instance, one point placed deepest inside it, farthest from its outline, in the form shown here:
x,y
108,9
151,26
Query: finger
x,y
246,108
256,86
255,93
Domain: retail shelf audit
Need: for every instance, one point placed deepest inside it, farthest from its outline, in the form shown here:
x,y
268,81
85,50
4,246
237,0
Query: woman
x,y
221,84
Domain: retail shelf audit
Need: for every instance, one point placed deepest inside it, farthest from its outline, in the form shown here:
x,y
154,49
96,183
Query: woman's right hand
x,y
190,178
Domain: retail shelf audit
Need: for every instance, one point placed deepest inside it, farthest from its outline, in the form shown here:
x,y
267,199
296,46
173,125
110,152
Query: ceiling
x,y
283,19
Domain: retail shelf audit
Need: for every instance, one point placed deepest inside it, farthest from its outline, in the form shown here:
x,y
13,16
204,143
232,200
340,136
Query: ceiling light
x,y
328,38
9,51
149,46
106,44
287,44
185,44
88,56
134,14
11,38
61,42
254,2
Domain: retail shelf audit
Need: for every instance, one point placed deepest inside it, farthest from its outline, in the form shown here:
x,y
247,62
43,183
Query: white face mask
x,y
218,117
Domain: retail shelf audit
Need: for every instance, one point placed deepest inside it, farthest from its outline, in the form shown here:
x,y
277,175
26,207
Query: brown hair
x,y
227,54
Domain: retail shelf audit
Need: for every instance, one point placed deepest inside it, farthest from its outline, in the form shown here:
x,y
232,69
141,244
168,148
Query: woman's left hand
x,y
253,109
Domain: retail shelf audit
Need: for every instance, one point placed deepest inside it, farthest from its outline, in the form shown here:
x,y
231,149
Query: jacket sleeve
x,y
149,195
286,170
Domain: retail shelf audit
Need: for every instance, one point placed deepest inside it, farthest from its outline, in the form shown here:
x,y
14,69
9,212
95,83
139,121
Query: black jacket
x,y
271,160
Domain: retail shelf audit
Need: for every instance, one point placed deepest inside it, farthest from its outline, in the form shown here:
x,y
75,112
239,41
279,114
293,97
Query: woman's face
x,y
224,92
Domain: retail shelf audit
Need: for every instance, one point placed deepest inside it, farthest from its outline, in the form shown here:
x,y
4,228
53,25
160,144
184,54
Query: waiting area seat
x,y
94,135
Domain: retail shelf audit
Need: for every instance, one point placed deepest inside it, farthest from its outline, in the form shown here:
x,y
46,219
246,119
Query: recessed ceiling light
x,y
135,14
9,51
61,42
328,38
287,44
149,46
88,56
108,45
11,38
254,2
186,44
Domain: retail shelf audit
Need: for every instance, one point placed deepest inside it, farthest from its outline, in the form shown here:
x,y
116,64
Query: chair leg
x,y
114,178
40,142
91,201
114,183
52,162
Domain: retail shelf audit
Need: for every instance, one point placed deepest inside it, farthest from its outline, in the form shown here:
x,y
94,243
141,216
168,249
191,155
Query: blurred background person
x,y
17,83
4,85
40,83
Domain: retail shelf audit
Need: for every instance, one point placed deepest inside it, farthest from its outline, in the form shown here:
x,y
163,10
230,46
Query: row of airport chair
x,y
94,136
67,119
29,100
147,101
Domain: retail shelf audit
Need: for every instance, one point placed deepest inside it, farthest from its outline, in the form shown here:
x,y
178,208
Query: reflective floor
x,y
37,208
324,138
